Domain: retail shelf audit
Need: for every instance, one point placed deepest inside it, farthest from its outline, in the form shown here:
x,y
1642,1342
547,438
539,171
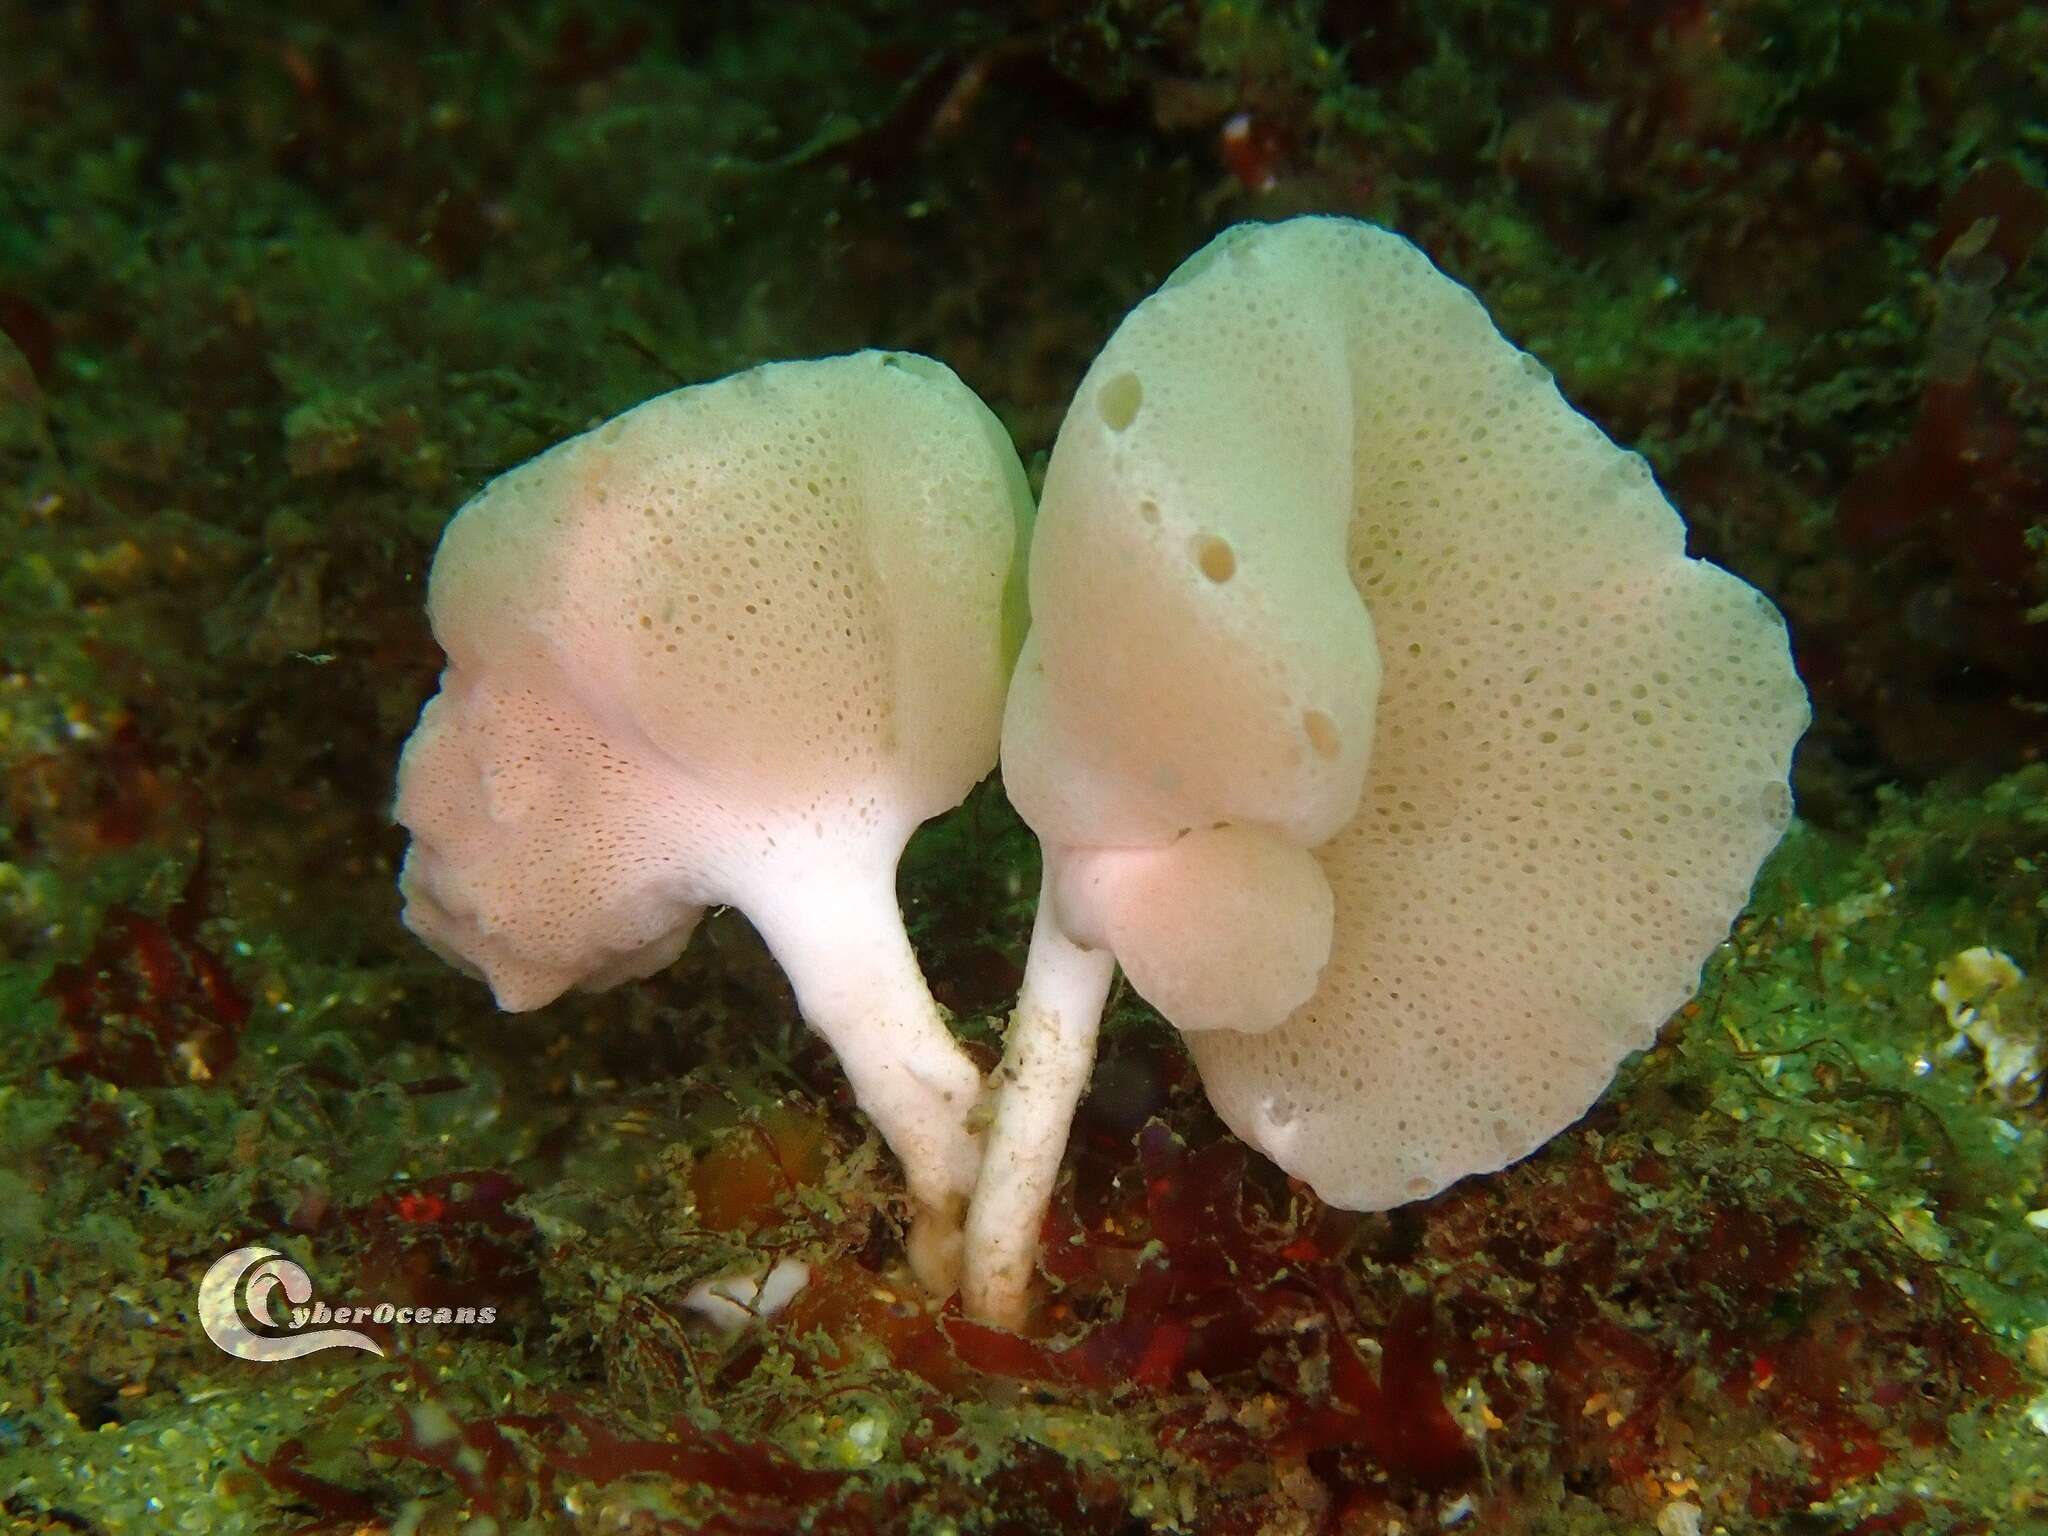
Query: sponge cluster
x,y
744,628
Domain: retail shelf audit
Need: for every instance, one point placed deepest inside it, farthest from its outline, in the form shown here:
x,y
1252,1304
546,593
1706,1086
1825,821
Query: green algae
x,y
1811,1073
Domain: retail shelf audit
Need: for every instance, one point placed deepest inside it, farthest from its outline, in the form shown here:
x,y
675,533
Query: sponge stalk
x,y
841,942
1046,1062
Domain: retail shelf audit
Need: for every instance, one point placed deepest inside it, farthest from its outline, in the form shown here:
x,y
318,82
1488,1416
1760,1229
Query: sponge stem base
x,y
1046,1062
839,937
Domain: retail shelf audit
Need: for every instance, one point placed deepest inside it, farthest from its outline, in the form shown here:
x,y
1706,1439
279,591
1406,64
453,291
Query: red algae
x,y
742,1181
150,1005
1950,508
446,1241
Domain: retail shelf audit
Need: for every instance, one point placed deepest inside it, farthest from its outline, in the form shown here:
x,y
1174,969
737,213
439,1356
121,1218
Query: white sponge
x,y
731,647
1540,777
744,628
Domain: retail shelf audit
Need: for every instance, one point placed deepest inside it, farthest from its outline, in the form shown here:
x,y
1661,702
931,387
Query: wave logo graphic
x,y
247,1279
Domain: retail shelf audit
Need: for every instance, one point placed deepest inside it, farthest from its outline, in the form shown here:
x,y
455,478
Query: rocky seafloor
x,y
281,286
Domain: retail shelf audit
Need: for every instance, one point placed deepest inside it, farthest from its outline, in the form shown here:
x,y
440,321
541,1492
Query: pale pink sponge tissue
x,y
1375,720
731,647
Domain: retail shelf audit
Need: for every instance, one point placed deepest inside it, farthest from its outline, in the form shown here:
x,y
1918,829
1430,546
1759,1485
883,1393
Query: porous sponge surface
x,y
1197,652
1581,738
745,626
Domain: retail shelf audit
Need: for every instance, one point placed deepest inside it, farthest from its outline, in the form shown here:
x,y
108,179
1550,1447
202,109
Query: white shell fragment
x,y
731,1302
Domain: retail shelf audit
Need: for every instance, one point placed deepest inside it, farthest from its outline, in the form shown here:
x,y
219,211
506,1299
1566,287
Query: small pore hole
x,y
1216,559
1322,733
1119,401
1148,509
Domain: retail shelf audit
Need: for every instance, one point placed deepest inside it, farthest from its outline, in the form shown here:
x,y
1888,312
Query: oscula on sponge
x,y
1375,719
729,648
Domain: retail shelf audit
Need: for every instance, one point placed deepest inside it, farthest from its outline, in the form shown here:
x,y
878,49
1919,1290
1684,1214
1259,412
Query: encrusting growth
x,y
1374,719
730,648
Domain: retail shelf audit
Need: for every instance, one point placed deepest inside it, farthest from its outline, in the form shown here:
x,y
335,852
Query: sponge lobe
x,y
540,851
1226,928
742,627
1197,652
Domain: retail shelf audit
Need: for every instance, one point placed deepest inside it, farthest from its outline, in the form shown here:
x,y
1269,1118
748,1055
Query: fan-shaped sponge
x,y
1539,779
